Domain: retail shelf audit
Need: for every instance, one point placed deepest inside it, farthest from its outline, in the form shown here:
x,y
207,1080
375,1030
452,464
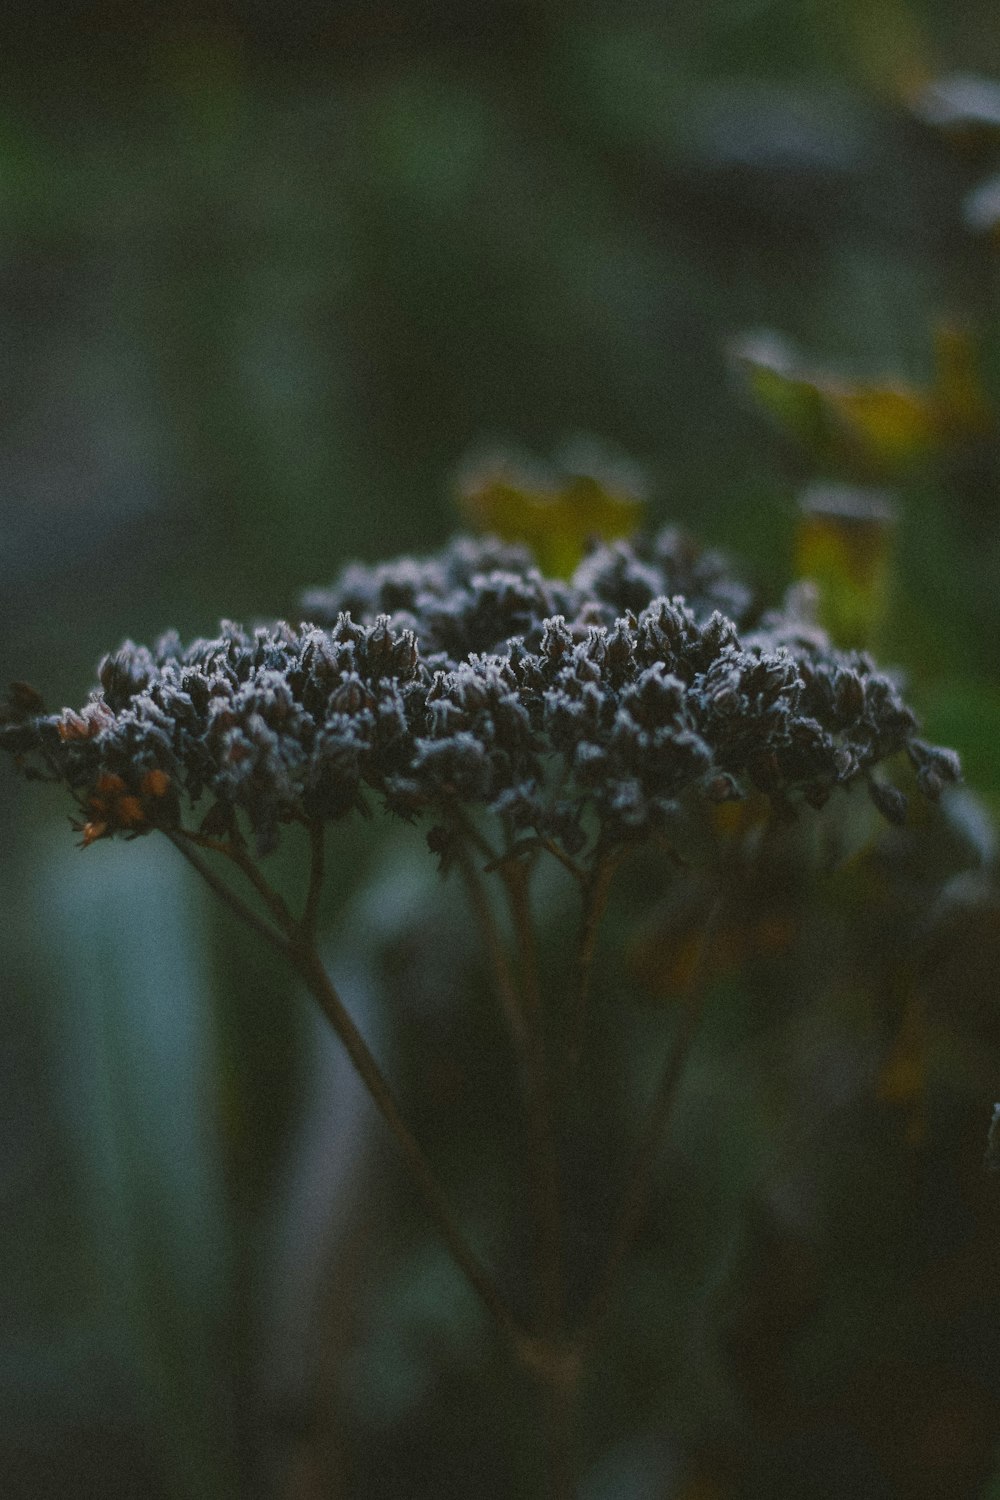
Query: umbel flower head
x,y
588,711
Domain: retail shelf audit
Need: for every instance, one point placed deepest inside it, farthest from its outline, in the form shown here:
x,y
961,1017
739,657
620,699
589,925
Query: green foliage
x,y
266,279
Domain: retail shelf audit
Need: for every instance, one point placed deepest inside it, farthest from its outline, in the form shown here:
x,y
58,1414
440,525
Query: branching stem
x,y
558,1370
321,987
510,1000
596,890
237,855
183,842
555,1360
317,866
632,1209
516,877
566,860
550,1360
298,945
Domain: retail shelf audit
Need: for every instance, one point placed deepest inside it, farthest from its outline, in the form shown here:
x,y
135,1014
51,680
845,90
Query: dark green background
x,y
266,274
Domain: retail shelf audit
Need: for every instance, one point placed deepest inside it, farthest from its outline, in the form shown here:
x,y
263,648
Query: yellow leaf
x,y
873,428
892,423
771,369
555,514
844,544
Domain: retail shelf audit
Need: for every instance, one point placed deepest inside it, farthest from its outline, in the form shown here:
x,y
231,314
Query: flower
x,y
646,683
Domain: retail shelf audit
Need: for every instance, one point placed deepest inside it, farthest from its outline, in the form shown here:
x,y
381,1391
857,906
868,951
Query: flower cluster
x,y
477,595
579,710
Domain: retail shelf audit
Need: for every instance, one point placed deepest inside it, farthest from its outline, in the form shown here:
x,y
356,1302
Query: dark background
x,y
266,274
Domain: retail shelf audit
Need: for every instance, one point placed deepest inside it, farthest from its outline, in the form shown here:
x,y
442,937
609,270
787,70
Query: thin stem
x,y
239,857
566,860
557,1369
559,1380
595,901
553,1365
632,1209
274,902
317,866
510,1002
472,833
236,903
320,985
299,947
516,875
538,1103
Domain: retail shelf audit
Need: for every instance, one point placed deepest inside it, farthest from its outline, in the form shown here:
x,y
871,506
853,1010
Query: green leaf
x,y
134,1047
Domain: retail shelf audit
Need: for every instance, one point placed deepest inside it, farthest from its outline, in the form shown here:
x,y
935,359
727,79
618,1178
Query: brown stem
x,y
566,860
243,862
182,843
595,901
299,947
479,840
538,1102
510,1002
633,1206
317,866
553,1365
322,988
558,1370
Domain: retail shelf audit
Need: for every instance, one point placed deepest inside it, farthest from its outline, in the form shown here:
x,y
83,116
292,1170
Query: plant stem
x,y
299,947
558,1369
317,865
566,860
554,1363
320,985
595,900
235,903
238,856
510,1003
538,1103
552,1366
634,1201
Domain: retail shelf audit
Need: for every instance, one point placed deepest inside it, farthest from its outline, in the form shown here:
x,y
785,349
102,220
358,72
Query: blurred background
x,y
267,274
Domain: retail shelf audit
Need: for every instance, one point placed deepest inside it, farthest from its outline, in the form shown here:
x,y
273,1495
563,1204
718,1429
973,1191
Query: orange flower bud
x,y
129,812
108,785
72,727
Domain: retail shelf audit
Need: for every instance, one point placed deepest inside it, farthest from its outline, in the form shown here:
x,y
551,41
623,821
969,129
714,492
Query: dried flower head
x,y
586,711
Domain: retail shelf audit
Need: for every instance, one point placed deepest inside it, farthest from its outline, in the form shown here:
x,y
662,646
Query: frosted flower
x,y
468,680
